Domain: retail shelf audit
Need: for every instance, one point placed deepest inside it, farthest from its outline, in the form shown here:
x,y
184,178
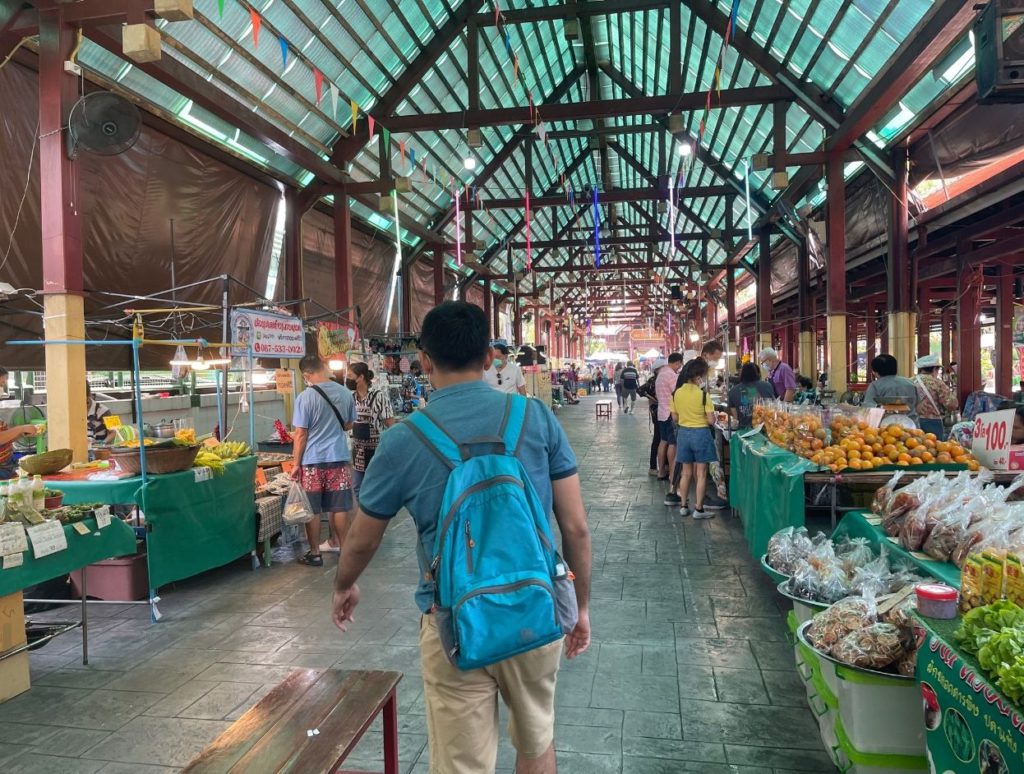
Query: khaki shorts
x,y
462,706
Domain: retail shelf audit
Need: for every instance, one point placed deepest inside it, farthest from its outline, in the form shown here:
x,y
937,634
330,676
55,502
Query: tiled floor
x,y
689,671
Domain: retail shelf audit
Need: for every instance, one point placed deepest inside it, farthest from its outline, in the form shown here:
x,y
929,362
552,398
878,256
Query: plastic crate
x,y
849,760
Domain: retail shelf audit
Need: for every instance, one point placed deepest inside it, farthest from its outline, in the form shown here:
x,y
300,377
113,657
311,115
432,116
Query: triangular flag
x,y
508,41
284,50
423,169
542,132
220,7
412,157
334,102
318,83
256,23
401,149
370,124
533,118
386,134
355,116
497,13
718,80
515,68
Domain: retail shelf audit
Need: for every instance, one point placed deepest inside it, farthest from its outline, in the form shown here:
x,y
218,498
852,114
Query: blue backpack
x,y
500,588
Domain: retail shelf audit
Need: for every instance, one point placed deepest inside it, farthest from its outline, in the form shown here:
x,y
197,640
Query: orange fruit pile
x,y
860,447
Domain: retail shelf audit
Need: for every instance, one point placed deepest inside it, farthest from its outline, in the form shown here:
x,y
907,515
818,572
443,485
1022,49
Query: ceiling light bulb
x,y
685,149
469,162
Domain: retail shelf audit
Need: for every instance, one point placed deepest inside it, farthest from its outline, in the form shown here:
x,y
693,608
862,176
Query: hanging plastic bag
x,y
180,371
297,509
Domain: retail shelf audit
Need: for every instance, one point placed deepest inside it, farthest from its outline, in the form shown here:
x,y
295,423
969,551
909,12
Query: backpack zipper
x,y
502,589
469,549
461,498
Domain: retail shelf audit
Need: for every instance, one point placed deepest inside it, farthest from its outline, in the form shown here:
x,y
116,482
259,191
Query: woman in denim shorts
x,y
695,447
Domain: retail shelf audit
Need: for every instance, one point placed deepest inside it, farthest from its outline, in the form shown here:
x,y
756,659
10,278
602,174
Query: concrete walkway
x,y
690,668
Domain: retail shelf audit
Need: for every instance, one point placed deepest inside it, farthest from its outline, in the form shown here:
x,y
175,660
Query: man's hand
x,y
578,640
344,605
296,474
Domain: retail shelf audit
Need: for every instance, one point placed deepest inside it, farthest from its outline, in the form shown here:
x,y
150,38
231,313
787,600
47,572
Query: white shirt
x,y
509,379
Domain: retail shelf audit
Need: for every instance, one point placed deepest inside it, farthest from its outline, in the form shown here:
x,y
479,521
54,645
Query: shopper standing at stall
x,y
324,413
694,413
374,413
8,436
744,395
409,472
780,375
664,387
935,401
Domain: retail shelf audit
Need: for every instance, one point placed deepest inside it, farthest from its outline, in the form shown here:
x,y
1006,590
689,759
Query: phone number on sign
x,y
278,349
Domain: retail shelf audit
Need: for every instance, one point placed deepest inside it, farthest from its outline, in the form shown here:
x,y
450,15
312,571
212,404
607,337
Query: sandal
x,y
311,560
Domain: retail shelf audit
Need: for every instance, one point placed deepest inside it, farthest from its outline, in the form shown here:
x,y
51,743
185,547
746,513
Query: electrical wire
x,y
24,195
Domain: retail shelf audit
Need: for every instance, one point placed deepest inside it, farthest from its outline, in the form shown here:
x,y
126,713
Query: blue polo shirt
x,y
404,473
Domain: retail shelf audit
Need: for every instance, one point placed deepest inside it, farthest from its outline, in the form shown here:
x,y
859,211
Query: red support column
x,y
871,334
969,283
292,246
438,275
488,300
1004,330
924,319
517,324
343,291
406,322
947,337
496,322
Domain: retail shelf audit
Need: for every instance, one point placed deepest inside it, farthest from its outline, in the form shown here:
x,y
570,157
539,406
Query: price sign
x,y
80,527
992,435
112,421
202,473
102,515
261,478
13,560
12,539
288,466
47,538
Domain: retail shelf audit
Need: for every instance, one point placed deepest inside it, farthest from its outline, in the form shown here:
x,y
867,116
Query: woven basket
x,y
167,460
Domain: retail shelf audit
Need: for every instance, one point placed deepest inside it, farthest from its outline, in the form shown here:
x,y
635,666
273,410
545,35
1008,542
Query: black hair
x,y
928,369
750,373
502,348
311,364
456,336
675,357
806,383
884,365
711,346
3,372
695,369
363,370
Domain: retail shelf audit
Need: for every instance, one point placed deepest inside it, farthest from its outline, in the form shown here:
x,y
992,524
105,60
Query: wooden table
x,y
275,735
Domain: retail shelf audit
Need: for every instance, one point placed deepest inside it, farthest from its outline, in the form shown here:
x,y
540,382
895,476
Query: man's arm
x,y
12,435
360,545
869,396
572,523
299,437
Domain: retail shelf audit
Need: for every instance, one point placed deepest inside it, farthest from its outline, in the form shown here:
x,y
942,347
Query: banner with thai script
x,y
271,335
334,339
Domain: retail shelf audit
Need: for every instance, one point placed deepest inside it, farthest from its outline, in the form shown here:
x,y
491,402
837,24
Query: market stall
x,y
194,521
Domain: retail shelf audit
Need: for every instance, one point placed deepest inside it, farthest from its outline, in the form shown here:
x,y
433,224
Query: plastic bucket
x,y
774,574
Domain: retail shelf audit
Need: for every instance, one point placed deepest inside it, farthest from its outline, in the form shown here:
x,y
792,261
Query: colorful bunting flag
x,y
334,101
515,69
497,13
256,24
386,134
370,125
508,41
284,50
423,169
318,83
401,150
412,158
355,116
220,8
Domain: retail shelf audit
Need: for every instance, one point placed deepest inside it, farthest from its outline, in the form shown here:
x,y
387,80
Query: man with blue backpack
x,y
480,472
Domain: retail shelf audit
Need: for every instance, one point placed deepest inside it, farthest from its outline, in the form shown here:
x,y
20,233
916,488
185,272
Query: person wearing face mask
x,y
374,413
504,375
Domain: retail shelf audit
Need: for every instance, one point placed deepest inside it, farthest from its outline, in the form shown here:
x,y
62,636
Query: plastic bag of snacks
x,y
873,647
854,553
872,578
297,509
882,501
787,548
845,616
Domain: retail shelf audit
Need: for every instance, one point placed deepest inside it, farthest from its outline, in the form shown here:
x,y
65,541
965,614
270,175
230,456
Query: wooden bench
x,y
275,735
603,408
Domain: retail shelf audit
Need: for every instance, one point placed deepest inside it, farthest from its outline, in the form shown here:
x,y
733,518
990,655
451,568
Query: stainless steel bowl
x,y
164,430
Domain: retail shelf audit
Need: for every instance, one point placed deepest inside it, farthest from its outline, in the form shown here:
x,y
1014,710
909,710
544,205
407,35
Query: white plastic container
x,y
823,666
880,713
850,760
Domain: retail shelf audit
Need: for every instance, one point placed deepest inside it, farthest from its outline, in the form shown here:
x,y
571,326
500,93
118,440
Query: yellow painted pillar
x,y
837,354
66,409
764,339
808,356
903,340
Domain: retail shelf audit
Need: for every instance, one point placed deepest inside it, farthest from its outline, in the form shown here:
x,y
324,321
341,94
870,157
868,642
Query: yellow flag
x,y
355,116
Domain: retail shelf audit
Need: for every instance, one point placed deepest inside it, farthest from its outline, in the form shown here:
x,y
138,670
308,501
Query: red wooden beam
x,y
83,13
344,295
613,241
616,195
595,109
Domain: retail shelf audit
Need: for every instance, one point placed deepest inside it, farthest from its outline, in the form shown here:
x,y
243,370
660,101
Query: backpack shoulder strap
x,y
435,438
517,408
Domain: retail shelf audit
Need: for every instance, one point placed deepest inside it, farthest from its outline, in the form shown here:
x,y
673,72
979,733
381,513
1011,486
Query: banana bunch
x,y
207,459
231,450
185,437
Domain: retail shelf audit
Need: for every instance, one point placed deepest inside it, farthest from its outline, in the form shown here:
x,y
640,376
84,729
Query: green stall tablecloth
x,y
193,526
855,525
766,487
116,539
976,727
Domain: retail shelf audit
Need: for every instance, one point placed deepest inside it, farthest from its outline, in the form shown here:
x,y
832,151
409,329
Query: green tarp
x,y
766,487
970,725
193,525
855,525
116,539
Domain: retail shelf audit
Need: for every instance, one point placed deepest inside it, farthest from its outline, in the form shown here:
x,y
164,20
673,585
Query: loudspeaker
x,y
675,292
999,51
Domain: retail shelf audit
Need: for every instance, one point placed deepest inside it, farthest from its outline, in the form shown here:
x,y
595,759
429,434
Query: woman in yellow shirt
x,y
693,414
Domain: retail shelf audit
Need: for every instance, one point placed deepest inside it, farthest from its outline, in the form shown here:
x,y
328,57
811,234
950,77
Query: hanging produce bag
x,y
297,509
180,372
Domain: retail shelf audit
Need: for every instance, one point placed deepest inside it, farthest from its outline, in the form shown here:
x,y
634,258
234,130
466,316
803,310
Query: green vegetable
x,y
981,623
